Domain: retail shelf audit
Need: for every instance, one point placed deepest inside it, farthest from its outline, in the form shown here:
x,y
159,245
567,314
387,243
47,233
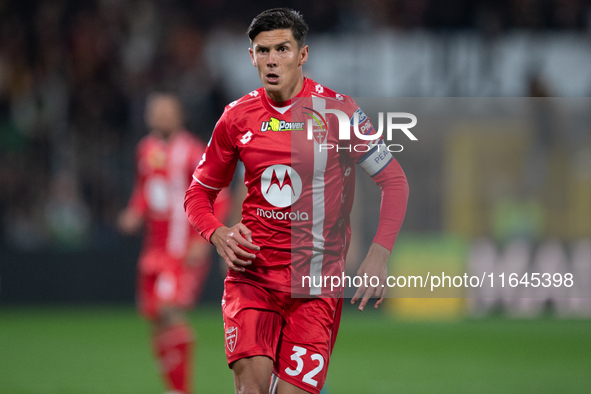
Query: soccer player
x,y
175,260
280,329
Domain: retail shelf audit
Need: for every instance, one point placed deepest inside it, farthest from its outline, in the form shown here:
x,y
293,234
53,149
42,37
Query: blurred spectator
x,y
66,214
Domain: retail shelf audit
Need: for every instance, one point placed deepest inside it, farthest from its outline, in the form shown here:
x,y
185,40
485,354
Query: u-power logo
x,y
362,128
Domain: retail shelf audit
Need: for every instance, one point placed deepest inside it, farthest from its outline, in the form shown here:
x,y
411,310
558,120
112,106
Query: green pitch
x,y
105,350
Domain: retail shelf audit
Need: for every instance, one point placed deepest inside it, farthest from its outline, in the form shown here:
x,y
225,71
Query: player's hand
x,y
228,241
375,264
129,222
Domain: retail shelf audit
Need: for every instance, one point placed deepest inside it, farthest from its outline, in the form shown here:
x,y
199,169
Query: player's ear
x,y
252,59
303,55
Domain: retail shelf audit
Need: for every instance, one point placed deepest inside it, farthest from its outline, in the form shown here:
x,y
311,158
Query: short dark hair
x,y
277,19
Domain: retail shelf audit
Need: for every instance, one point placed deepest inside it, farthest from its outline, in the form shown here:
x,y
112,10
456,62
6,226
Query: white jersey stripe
x,y
318,213
204,185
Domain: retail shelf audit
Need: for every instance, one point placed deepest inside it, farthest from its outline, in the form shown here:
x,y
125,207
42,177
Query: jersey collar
x,y
273,105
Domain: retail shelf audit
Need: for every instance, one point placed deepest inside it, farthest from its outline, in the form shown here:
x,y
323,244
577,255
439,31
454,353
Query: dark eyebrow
x,y
259,47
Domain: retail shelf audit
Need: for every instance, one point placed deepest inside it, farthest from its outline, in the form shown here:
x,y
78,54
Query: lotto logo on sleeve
x,y
281,185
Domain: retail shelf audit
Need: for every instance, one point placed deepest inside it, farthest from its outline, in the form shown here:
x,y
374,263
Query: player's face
x,y
163,116
279,61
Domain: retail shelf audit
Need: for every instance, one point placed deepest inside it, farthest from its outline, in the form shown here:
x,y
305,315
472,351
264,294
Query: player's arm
x,y
199,250
233,244
239,192
130,220
387,173
394,190
199,201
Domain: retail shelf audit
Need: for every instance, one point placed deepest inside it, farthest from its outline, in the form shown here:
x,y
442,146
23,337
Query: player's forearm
x,y
393,207
199,202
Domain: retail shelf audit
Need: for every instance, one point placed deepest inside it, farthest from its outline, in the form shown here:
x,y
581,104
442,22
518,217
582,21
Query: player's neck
x,y
284,97
166,137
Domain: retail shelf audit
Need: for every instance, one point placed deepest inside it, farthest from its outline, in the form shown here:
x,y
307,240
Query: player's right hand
x,y
129,222
228,241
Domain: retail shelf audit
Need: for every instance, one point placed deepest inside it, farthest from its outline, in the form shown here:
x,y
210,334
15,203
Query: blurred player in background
x,y
175,260
295,218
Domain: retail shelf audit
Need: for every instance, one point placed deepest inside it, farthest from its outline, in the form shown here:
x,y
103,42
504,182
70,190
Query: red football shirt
x,y
163,174
299,194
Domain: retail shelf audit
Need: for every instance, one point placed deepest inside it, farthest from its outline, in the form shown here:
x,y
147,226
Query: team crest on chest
x,y
319,125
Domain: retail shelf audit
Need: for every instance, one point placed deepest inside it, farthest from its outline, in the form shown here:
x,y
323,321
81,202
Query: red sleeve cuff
x,y
199,201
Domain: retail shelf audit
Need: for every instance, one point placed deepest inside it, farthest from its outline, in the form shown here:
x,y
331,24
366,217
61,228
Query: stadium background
x,y
73,81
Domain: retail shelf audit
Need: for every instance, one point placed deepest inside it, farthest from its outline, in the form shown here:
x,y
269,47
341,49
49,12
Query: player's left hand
x,y
129,221
375,264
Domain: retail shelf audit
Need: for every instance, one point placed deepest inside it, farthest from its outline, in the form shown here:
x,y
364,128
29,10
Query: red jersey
x,y
299,195
163,173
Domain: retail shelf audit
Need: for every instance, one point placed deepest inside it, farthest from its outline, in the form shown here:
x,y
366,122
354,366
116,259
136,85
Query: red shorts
x,y
298,334
174,284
